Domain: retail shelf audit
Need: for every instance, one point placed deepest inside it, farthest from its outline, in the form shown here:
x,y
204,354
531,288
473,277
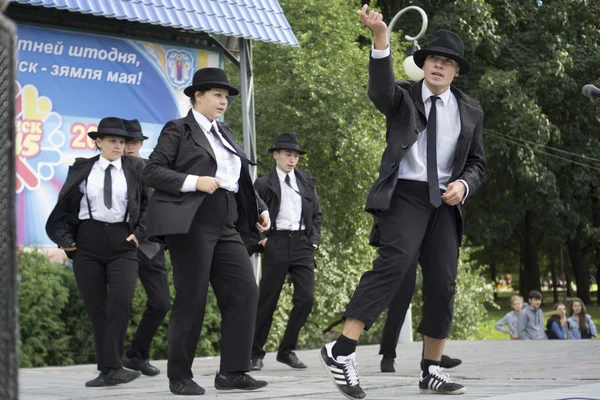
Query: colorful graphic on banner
x,y
66,83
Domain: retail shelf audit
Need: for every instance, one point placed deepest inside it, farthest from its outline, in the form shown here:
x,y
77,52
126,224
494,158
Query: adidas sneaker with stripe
x,y
343,371
438,382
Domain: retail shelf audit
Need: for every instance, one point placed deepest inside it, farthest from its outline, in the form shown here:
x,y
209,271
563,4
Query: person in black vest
x,y
433,160
289,248
99,220
154,277
203,200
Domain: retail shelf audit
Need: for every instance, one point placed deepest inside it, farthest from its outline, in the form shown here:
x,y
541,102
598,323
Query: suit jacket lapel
x,y
130,177
198,135
417,95
77,174
274,185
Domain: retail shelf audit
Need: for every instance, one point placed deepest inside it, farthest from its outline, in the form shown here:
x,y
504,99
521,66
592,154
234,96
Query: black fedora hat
x,y
210,78
134,129
287,141
110,126
447,44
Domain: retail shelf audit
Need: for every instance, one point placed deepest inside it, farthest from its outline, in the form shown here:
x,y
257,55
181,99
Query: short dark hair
x,y
534,294
193,96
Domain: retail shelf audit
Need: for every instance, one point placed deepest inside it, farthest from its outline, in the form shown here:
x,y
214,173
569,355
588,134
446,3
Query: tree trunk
x,y
529,258
580,270
568,281
554,276
493,278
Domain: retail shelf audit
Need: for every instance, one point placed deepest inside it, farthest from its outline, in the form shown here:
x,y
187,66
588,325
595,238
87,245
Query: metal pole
x,y
9,362
249,130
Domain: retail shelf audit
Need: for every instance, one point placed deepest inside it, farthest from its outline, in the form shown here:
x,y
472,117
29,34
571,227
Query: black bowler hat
x,y
287,141
133,127
110,126
210,78
447,44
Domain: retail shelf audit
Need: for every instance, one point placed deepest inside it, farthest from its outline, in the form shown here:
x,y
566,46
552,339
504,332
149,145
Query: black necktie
x,y
235,153
108,187
288,182
432,176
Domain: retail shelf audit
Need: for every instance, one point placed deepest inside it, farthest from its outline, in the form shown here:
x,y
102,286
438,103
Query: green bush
x,y
42,297
54,326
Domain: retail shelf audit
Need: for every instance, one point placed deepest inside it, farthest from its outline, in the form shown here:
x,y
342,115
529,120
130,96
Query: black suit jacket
x,y
64,221
269,189
402,104
183,149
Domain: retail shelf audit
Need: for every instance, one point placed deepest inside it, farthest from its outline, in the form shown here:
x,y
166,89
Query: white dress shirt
x,y
290,208
229,166
95,192
413,165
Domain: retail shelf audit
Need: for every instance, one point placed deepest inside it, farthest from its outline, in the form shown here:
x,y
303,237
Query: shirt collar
x,y
203,121
104,163
426,94
281,175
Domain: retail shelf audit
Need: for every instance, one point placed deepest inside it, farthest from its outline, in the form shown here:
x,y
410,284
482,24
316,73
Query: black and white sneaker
x,y
438,382
343,371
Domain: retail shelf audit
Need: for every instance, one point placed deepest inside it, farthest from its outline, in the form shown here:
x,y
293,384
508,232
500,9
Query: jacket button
x,y
404,145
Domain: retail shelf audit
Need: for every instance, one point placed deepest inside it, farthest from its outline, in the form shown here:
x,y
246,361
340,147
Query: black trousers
x,y
397,313
212,251
106,270
154,278
409,228
285,252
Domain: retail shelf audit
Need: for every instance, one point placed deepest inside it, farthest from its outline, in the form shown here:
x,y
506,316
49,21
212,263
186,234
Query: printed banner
x,y
68,81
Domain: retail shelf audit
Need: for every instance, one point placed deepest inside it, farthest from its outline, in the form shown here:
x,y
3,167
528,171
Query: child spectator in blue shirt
x,y
511,318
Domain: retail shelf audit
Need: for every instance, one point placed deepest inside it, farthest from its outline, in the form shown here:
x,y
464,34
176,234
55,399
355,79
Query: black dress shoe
x,y
139,364
237,380
185,387
99,381
449,362
121,375
256,364
387,364
291,359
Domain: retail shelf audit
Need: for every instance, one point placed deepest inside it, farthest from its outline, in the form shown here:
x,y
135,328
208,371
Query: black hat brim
x,y
420,56
272,149
190,90
110,132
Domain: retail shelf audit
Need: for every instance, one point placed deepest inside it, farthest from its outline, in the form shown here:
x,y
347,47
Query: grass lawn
x,y
486,328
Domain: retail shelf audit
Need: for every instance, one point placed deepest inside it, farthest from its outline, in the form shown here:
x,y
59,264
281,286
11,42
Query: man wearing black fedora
x,y
203,200
433,161
153,274
288,248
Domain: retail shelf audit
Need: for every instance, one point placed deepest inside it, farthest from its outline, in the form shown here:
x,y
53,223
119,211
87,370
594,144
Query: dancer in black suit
x,y
203,199
289,248
99,220
153,275
432,162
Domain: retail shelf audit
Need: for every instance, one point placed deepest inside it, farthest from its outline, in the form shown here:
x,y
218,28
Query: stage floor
x,y
498,370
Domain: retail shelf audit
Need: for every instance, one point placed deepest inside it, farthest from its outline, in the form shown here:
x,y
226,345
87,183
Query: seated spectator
x,y
510,319
580,323
557,326
530,323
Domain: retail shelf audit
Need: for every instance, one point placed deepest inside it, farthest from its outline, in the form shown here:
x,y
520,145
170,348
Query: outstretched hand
x,y
373,20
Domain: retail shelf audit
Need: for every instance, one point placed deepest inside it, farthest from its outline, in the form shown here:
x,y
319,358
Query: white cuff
x,y
266,212
189,185
466,194
376,54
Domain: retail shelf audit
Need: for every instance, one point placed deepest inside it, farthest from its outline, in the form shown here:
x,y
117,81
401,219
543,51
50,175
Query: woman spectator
x,y
581,324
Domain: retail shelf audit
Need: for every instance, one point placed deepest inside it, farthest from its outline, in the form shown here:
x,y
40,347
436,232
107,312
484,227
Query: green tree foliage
x,y
319,91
